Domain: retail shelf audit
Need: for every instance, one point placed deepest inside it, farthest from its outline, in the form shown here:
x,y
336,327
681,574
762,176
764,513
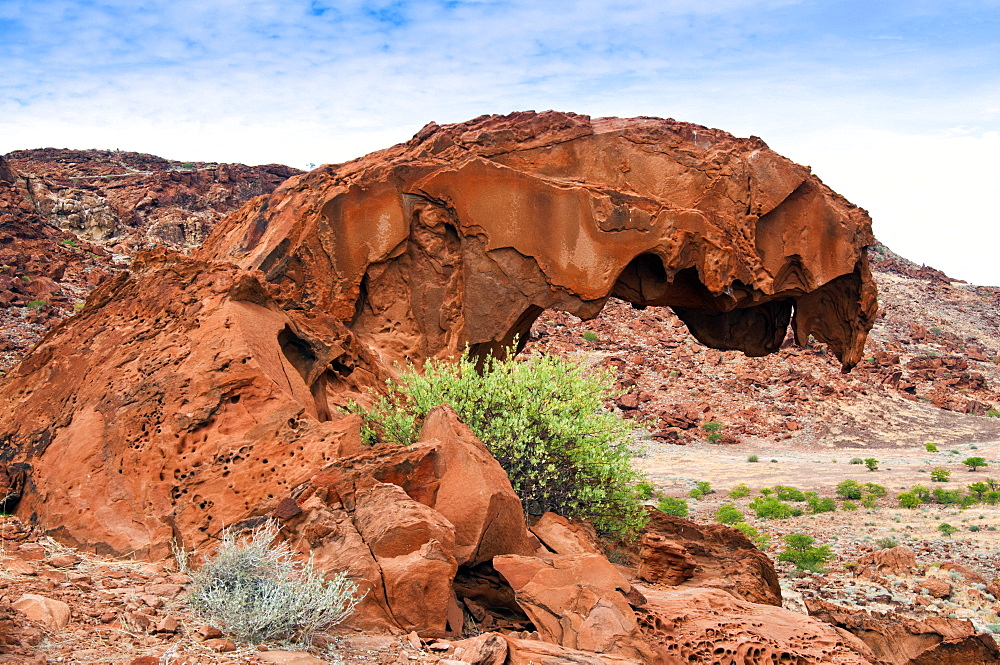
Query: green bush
x,y
766,491
821,505
756,537
979,490
728,514
886,543
704,487
993,413
739,491
857,460
753,458
714,430
875,490
869,500
946,497
921,492
931,448
940,475
848,505
543,419
799,550
975,528
947,529
591,336
770,508
789,493
871,463
992,497
849,489
975,463
672,506
36,304
257,592
644,491
908,500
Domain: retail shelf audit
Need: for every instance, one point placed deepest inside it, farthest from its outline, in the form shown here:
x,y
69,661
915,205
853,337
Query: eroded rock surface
x,y
466,233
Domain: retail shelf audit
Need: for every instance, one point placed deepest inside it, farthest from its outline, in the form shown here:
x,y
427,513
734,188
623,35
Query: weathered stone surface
x,y
565,537
51,613
577,601
900,640
687,625
392,524
722,558
899,560
485,649
418,587
467,232
535,652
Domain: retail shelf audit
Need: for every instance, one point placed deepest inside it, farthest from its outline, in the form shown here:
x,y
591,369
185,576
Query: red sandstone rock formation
x,y
466,233
196,393
898,640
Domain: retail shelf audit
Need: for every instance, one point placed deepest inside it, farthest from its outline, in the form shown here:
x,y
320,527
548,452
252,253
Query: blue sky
x,y
894,104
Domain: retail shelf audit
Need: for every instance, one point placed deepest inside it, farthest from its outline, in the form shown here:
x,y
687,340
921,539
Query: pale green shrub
x,y
257,592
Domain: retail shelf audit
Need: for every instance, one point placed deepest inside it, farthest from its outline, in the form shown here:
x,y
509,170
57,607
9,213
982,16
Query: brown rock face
x,y
466,233
897,560
900,640
688,625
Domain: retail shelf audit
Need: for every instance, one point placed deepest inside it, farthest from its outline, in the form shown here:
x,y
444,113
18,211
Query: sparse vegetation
x,y
908,500
993,413
788,493
799,550
753,458
770,508
591,336
36,304
644,491
824,504
740,491
673,506
940,474
871,463
931,448
975,463
714,430
543,419
728,514
257,592
886,543
759,539
849,489
701,488
857,460
947,529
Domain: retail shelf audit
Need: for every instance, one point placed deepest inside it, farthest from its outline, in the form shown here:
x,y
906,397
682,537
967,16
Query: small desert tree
x,y
975,463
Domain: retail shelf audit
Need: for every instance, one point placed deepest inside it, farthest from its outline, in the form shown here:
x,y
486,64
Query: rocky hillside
x,y
71,218
931,371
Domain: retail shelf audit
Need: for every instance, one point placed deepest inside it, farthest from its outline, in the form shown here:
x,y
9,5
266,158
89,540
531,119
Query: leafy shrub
x,y
704,487
753,458
869,500
875,490
542,419
922,493
36,304
768,508
975,463
849,489
766,491
728,514
714,430
992,497
947,529
789,493
940,475
931,448
979,489
848,505
908,500
857,460
739,491
821,505
993,413
886,543
946,497
975,528
257,592
871,463
759,539
644,491
591,336
672,506
799,550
